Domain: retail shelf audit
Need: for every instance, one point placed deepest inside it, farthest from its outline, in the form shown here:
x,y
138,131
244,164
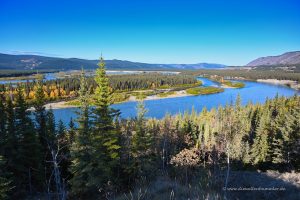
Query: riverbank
x,y
68,104
292,84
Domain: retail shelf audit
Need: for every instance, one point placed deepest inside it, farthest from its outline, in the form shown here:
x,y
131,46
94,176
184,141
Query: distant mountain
x,y
35,62
288,58
197,66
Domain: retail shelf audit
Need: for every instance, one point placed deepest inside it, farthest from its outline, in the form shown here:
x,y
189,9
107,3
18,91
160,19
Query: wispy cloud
x,y
18,52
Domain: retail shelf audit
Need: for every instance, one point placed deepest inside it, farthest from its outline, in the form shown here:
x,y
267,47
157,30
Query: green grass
x,y
234,84
181,86
142,95
120,97
165,94
204,90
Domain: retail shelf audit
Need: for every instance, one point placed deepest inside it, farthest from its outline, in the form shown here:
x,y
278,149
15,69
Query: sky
x,y
231,32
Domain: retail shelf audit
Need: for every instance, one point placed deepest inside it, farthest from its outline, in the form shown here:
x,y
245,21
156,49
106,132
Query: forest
x,y
252,74
19,73
100,156
68,88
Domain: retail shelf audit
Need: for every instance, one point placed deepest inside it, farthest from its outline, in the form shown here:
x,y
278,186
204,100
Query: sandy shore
x,y
292,84
226,86
181,93
63,104
56,105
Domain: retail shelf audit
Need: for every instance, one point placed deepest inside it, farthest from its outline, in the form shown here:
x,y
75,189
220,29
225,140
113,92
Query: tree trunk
x,y
228,169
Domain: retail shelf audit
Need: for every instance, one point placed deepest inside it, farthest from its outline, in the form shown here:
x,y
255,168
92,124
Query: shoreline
x,y
289,83
182,93
63,104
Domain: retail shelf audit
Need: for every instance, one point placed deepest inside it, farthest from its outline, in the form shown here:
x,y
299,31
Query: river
x,y
254,92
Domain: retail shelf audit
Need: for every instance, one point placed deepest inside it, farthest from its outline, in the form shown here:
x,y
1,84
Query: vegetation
x,y
191,155
204,90
122,85
166,94
21,74
234,84
252,74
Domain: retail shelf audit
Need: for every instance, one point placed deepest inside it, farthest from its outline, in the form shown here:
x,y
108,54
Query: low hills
x,y
288,58
36,62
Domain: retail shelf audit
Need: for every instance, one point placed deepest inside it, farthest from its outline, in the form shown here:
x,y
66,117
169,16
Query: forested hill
x,y
35,62
289,58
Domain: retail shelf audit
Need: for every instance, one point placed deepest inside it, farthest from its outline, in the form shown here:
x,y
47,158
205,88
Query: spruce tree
x,y
11,140
3,135
63,150
29,169
5,181
40,113
260,148
50,133
81,149
105,137
71,131
141,143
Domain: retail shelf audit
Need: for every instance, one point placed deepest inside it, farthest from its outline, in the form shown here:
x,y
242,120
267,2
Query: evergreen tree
x,y
50,136
29,170
3,135
50,147
260,148
5,182
81,149
71,131
141,143
40,113
105,138
11,142
63,150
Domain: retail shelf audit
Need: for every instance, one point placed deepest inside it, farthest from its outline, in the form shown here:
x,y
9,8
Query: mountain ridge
x,y
288,58
36,62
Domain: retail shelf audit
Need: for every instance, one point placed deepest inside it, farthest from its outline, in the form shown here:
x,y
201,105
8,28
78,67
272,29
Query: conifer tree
x,y
29,149
3,135
71,131
11,142
81,149
40,113
50,136
260,147
5,182
105,137
141,143
63,150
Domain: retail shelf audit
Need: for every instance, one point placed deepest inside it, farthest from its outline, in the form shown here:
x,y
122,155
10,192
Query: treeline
x,y
104,156
69,87
249,74
18,73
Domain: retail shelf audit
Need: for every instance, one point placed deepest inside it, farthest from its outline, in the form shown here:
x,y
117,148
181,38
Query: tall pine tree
x,y
81,149
105,137
29,168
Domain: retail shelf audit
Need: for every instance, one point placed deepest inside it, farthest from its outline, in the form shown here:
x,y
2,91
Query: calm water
x,y
253,91
47,77
54,76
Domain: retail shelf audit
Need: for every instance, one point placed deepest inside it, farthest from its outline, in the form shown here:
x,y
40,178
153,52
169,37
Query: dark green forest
x,y
100,156
68,88
252,74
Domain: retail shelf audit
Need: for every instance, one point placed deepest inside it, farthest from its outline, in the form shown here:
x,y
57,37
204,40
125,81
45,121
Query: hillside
x,y
35,62
288,58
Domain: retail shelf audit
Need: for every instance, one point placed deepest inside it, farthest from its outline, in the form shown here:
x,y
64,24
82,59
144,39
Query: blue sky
x,y
232,32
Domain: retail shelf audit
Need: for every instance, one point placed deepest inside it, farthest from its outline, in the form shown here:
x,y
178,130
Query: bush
x,y
204,90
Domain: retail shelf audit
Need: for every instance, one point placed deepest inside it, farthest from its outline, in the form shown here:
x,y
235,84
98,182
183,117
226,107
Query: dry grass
x,y
267,185
201,188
